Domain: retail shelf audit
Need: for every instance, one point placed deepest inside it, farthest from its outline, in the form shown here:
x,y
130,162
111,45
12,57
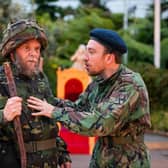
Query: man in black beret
x,y
114,107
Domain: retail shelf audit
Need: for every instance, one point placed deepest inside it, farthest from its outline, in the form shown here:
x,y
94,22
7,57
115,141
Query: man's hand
x,y
66,165
43,108
12,108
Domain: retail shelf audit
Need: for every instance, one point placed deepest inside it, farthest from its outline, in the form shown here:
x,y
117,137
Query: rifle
x,y
17,123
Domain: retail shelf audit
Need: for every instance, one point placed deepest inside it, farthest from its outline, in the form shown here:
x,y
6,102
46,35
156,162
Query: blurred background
x,y
142,23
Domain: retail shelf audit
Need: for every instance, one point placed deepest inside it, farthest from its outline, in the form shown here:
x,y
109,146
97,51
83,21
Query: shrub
x,y
157,84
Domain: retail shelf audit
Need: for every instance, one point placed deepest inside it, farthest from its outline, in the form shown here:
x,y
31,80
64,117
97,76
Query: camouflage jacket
x,y
116,110
34,128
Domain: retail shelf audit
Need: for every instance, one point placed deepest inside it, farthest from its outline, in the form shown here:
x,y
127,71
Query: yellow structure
x,y
64,77
70,83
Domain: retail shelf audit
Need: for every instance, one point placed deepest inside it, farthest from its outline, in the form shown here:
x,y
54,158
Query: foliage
x,y
44,6
156,82
4,14
51,31
49,7
157,85
50,67
75,32
164,53
159,120
117,19
142,30
94,4
150,18
138,51
64,37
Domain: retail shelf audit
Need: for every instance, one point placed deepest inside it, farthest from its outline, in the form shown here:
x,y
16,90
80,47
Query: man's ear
x,y
12,57
110,58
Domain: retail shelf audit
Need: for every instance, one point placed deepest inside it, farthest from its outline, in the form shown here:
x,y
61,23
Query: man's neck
x,y
110,71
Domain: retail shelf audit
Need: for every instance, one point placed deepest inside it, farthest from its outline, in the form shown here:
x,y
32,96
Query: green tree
x,y
49,7
164,53
75,31
94,4
4,14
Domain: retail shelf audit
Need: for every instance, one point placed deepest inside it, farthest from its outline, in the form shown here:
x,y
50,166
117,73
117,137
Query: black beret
x,y
109,39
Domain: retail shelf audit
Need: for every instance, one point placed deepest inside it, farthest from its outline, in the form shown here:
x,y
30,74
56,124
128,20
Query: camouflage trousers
x,y
120,156
44,159
9,158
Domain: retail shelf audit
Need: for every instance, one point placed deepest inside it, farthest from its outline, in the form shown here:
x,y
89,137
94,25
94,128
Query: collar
x,y
112,78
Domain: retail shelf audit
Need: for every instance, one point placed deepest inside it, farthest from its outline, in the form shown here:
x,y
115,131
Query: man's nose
x,y
85,56
33,53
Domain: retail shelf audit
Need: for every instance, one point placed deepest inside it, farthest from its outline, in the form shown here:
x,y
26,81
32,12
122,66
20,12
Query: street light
x,y
157,33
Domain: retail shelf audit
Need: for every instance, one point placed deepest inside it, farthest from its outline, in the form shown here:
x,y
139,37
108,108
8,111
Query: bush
x,y
157,84
164,53
138,51
160,120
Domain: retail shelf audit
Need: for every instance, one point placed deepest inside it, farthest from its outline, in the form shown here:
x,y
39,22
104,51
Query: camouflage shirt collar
x,y
113,77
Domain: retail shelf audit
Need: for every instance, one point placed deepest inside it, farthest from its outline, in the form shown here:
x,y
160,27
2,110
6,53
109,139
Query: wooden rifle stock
x,y
17,123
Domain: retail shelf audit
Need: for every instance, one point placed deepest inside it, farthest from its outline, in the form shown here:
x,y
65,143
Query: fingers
x,y
12,108
44,108
35,99
35,103
14,99
37,114
42,113
35,107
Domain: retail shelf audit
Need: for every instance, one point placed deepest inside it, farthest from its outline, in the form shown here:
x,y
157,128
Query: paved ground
x,y
158,146
159,159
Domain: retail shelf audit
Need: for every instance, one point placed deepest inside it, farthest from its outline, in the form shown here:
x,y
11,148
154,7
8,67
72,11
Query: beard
x,y
28,68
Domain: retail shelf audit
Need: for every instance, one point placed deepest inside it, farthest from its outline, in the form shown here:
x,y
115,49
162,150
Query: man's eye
x,y
26,48
91,52
37,49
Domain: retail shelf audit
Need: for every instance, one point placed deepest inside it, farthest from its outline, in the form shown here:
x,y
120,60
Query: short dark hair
x,y
118,55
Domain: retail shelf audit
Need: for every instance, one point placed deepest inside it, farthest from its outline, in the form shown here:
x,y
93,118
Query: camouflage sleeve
x,y
1,116
63,154
2,104
103,118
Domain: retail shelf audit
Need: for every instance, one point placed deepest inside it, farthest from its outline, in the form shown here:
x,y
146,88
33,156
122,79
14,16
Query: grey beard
x,y
27,72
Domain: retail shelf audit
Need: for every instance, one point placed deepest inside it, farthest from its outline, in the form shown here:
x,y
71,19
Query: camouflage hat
x,y
19,32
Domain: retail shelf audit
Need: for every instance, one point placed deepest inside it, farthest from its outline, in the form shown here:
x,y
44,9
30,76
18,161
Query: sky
x,y
115,6
119,6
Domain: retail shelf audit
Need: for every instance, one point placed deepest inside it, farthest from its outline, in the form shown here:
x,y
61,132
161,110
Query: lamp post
x,y
125,27
157,33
